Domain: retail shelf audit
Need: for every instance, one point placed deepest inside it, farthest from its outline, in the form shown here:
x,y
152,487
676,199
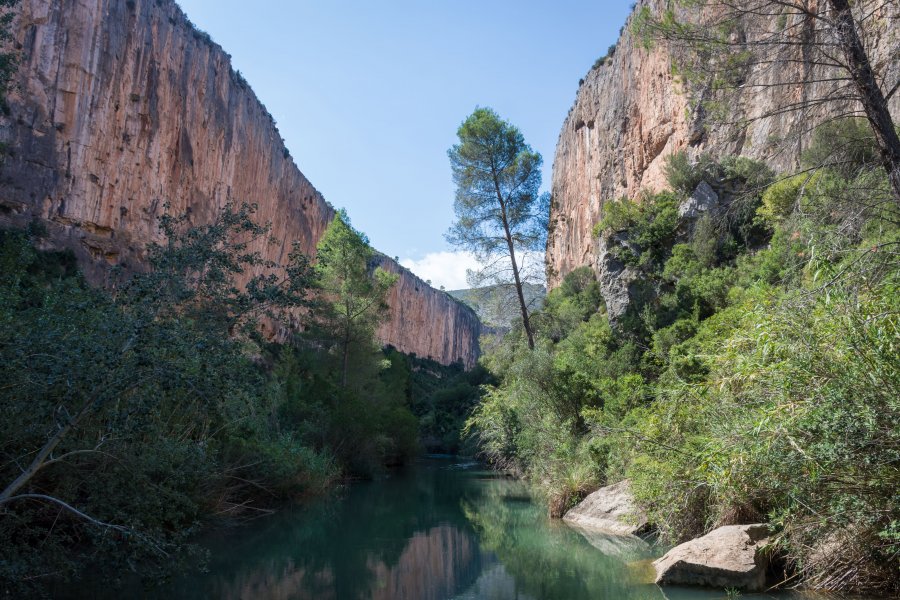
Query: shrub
x,y
683,176
845,146
752,385
782,197
651,223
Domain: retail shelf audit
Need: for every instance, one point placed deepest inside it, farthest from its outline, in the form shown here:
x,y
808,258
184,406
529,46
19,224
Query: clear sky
x,y
368,95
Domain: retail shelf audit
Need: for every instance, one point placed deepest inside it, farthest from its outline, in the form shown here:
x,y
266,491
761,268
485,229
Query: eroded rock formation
x,y
121,106
630,113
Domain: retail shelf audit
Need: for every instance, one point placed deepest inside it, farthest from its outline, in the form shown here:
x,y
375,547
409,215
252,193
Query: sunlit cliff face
x,y
121,107
630,113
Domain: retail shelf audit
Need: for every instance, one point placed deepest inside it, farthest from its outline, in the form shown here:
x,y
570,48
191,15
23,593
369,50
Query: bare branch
x,y
66,506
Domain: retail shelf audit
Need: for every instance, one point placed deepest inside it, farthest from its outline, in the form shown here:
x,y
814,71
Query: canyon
x,y
631,112
123,110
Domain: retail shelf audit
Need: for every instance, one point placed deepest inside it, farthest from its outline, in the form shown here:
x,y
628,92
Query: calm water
x,y
441,529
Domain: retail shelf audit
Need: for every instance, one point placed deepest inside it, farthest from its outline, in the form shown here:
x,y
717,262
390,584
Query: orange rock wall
x,y
630,113
121,106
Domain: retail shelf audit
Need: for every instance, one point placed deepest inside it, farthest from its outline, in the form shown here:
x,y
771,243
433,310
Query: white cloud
x,y
448,269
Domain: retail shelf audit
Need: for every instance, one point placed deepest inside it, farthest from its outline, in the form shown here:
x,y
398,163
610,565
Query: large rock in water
x,y
627,548
610,509
728,557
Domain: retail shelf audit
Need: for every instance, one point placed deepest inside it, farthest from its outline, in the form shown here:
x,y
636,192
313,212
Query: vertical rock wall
x,y
630,113
122,106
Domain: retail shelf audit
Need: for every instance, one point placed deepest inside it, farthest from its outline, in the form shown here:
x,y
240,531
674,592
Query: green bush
x,y
651,223
158,410
782,197
683,176
846,146
573,302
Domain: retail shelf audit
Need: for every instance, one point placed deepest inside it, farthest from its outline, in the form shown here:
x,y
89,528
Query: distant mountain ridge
x,y
497,305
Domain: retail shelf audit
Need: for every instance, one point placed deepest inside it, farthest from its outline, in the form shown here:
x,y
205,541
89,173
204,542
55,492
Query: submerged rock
x,y
610,509
625,547
728,557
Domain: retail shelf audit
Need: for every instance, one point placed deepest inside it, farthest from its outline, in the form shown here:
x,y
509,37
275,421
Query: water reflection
x,y
433,532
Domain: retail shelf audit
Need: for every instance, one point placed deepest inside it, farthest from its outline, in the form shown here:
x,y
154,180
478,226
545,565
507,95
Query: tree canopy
x,y
354,294
499,212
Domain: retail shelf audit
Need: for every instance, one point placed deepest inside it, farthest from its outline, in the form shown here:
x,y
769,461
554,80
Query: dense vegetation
x,y
755,376
134,417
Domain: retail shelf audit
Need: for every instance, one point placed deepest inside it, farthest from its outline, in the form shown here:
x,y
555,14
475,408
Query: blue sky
x,y
368,95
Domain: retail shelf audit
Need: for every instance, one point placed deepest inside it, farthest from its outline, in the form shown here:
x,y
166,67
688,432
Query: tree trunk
x,y
39,460
870,94
526,322
346,363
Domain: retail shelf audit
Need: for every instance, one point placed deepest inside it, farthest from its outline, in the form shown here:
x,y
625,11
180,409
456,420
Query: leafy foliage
x,y
355,301
140,412
9,60
499,213
132,419
759,385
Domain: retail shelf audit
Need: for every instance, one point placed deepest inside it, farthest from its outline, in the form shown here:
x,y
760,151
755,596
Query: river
x,y
439,529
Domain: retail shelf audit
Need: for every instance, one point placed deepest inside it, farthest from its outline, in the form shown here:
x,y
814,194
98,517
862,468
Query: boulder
x,y
702,200
621,285
728,557
610,509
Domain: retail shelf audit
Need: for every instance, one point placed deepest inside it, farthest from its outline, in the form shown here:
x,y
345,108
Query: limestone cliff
x,y
629,114
121,106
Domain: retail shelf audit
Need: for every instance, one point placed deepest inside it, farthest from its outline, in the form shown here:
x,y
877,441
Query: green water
x,y
441,529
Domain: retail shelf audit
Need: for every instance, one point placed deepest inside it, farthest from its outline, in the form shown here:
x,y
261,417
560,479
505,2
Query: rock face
x,y
610,509
121,106
621,285
703,200
428,322
728,557
629,114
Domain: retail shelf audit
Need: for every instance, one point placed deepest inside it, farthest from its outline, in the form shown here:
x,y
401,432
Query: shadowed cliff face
x,y
434,326
629,114
121,106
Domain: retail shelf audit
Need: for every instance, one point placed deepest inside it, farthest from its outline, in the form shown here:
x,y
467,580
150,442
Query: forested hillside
x,y
496,305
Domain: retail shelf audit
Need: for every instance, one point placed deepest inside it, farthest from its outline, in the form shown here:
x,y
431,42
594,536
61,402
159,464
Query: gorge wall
x,y
629,114
122,106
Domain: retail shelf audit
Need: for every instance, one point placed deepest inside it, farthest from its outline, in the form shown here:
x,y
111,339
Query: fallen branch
x,y
68,507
